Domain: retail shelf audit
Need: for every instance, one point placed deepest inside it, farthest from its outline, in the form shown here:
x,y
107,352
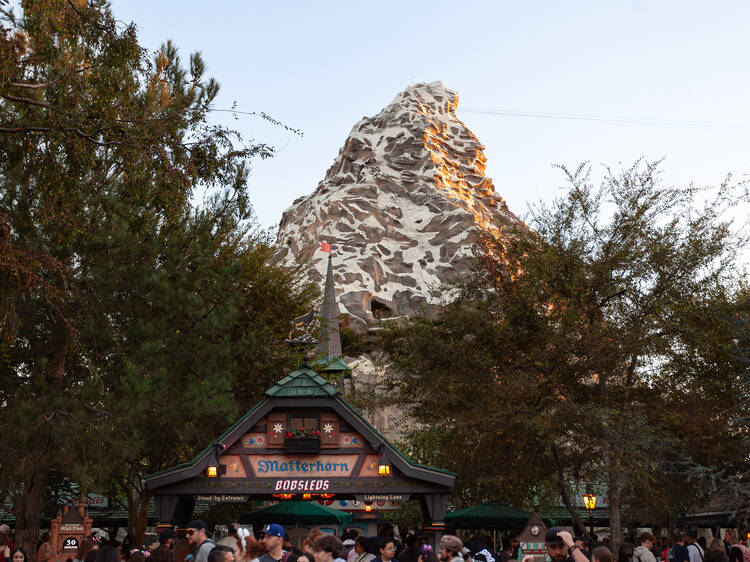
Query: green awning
x,y
492,515
297,513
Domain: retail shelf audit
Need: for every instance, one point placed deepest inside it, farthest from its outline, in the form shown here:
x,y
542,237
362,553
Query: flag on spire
x,y
326,247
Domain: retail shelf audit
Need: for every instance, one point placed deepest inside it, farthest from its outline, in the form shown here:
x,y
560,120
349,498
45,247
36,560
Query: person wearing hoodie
x,y
643,552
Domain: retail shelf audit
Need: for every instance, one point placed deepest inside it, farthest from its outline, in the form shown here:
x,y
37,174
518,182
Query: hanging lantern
x,y
384,467
214,469
589,501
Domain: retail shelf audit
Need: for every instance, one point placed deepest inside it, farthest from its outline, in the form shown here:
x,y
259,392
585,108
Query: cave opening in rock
x,y
380,309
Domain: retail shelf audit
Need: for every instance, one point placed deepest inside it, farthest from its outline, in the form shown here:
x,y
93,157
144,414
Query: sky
x,y
322,66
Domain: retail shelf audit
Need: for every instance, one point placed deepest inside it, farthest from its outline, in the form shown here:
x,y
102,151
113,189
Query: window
x,y
308,422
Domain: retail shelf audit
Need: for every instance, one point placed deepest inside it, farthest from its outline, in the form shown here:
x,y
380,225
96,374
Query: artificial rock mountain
x,y
400,206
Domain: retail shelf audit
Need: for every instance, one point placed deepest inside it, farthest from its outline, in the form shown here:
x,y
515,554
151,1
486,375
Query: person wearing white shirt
x,y
694,549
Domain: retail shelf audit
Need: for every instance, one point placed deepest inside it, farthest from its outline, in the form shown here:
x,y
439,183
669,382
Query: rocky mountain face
x,y
399,206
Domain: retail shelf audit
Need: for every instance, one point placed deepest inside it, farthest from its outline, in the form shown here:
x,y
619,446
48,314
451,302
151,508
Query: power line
x,y
549,115
610,118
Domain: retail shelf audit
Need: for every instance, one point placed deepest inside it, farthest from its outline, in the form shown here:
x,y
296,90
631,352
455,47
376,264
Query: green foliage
x,y
352,342
223,513
721,366
595,347
407,518
135,326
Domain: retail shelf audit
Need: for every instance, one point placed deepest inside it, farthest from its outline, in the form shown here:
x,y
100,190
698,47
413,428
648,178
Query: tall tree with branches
x,y
126,319
571,346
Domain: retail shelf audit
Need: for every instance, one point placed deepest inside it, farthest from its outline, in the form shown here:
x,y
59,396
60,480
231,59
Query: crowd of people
x,y
273,545
683,547
561,546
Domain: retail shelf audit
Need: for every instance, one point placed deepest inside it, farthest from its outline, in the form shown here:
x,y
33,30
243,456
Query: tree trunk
x,y
578,524
615,517
140,523
28,507
612,461
138,499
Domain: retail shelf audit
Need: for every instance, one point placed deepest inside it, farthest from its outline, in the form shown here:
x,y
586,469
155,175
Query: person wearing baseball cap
x,y
272,538
561,547
165,551
478,551
583,543
196,537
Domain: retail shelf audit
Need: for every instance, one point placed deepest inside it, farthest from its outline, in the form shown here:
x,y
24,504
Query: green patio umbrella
x,y
492,515
297,513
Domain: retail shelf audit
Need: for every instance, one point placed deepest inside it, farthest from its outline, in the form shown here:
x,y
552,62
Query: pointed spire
x,y
330,340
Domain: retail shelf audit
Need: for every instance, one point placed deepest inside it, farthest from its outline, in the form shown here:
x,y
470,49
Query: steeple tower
x,y
329,346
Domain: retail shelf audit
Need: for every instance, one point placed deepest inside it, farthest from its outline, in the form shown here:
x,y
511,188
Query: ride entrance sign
x,y
222,498
275,466
67,532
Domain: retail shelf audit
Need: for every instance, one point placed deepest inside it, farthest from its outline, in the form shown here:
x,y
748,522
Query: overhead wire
x,y
551,115
608,118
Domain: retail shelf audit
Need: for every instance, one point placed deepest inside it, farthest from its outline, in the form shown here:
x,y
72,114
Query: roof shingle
x,y
302,383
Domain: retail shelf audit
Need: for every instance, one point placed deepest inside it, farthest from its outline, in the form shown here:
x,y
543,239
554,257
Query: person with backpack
x,y
679,550
196,537
695,551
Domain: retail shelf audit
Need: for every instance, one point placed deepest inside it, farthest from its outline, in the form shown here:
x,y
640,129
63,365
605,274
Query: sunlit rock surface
x,y
400,206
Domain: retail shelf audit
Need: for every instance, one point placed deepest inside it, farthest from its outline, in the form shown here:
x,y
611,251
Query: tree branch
x,y
29,101
55,81
564,493
75,130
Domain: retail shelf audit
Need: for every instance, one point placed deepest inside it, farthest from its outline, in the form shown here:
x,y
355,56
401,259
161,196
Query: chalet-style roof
x,y
303,388
302,383
333,366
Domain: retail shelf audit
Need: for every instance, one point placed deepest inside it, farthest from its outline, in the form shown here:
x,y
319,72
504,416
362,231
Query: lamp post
x,y
589,501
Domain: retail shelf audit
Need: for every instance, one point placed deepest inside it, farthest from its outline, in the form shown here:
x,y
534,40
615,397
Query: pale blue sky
x,y
321,66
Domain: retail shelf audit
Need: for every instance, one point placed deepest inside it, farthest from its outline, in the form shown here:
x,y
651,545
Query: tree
x,y
128,314
572,344
723,466
176,373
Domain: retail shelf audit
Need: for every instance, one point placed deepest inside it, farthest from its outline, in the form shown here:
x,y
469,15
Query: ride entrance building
x,y
303,441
